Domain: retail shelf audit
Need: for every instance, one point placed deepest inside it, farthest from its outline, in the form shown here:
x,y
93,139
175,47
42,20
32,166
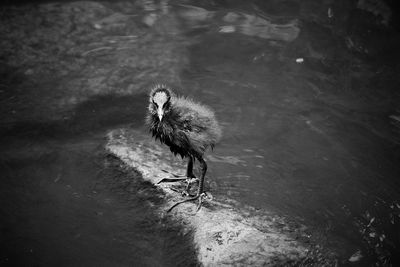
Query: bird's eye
x,y
155,104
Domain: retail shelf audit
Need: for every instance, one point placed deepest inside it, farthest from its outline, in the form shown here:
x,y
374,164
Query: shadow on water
x,y
64,202
96,114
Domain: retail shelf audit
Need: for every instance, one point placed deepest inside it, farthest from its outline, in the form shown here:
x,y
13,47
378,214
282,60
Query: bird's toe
x,y
186,193
192,180
201,198
189,182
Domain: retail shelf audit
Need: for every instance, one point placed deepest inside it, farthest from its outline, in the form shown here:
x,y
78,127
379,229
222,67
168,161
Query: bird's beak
x,y
160,114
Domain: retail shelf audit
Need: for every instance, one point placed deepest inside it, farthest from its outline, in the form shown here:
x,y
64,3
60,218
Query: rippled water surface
x,y
299,139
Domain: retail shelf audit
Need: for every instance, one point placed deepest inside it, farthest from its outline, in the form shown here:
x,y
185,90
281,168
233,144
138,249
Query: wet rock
x,y
357,256
195,14
260,27
378,8
241,22
114,22
150,19
227,29
223,235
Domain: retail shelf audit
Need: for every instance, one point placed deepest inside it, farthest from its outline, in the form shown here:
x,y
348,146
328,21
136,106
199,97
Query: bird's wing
x,y
191,121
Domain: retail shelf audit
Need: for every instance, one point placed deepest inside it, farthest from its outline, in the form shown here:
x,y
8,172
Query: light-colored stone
x,y
223,235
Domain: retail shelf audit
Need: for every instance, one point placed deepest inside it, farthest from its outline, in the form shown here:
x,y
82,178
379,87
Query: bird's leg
x,y
200,192
190,176
177,178
189,169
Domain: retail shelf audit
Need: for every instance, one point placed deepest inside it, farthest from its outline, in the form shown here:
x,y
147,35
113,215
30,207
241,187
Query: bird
x,y
188,128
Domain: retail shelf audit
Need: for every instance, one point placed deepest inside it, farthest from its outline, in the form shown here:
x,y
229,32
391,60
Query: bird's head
x,y
160,101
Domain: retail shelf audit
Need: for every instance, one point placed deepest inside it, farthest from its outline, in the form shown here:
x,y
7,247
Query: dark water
x,y
66,202
312,141
299,139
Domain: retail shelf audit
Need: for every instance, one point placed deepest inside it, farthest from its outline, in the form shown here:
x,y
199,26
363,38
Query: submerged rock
x,y
241,22
257,26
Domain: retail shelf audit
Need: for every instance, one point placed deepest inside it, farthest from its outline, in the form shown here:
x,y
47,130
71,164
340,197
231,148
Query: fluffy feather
x,y
187,127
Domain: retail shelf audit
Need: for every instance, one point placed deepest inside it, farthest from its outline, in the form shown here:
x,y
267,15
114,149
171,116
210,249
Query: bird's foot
x,y
189,182
199,197
200,202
